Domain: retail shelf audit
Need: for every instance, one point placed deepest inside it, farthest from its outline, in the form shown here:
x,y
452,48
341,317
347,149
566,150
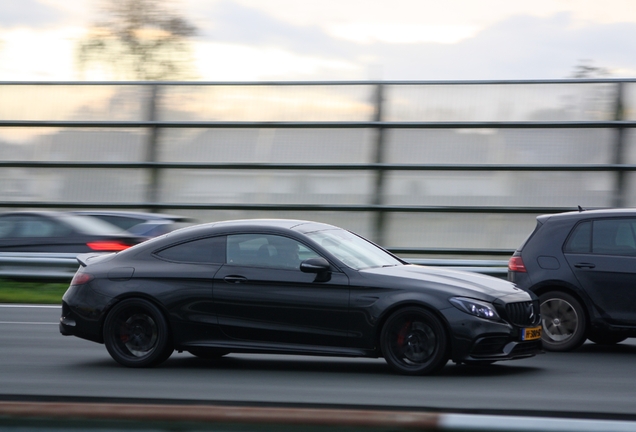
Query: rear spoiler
x,y
83,259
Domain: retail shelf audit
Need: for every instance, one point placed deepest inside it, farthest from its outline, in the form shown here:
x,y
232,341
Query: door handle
x,y
235,279
584,265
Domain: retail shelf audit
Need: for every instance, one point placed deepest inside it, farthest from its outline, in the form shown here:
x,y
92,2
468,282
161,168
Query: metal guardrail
x,y
37,265
62,266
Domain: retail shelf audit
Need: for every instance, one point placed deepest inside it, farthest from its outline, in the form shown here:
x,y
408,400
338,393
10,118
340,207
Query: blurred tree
x,y
139,40
586,69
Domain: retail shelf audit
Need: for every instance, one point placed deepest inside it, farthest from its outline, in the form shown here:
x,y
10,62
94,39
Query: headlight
x,y
478,308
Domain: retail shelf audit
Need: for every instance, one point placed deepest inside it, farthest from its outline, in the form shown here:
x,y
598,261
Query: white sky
x,y
243,40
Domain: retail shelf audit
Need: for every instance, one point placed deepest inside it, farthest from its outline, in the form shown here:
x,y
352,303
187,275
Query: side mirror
x,y
314,265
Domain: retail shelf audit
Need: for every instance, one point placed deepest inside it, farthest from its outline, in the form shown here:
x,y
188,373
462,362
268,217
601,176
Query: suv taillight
x,y
515,264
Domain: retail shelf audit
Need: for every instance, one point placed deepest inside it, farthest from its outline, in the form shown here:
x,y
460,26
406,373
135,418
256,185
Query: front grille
x,y
523,313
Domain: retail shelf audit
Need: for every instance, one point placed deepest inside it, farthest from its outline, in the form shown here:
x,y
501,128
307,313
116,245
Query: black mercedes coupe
x,y
292,287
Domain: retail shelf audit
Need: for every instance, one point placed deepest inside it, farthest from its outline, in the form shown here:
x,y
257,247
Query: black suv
x,y
582,265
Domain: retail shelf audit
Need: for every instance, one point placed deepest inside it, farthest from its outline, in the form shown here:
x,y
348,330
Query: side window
x,y
266,250
7,227
580,240
614,237
38,227
206,250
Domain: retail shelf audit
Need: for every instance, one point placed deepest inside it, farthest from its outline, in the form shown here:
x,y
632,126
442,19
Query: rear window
x,y
91,225
580,240
204,251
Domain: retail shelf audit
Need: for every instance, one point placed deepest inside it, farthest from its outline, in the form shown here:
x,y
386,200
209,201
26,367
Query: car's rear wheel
x,y
208,353
414,342
563,319
136,334
603,338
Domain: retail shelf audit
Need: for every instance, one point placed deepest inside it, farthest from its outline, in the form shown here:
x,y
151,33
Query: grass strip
x,y
31,292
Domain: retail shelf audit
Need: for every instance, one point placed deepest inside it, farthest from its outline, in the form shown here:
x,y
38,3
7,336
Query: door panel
x,y
281,306
607,272
262,296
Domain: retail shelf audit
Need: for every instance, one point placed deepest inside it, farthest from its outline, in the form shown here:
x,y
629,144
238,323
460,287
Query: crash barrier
x,y
62,266
54,416
463,164
37,265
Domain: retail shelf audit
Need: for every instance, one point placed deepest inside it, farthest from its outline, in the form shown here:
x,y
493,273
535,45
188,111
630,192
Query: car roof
x,y
589,214
303,226
230,226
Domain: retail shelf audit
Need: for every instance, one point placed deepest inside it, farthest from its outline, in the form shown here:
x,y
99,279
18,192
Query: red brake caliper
x,y
123,334
402,333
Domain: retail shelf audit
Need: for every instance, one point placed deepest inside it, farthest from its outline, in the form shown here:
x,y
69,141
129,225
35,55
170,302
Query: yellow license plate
x,y
531,333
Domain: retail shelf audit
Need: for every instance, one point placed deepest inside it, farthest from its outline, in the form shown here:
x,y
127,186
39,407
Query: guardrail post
x,y
152,188
379,152
619,149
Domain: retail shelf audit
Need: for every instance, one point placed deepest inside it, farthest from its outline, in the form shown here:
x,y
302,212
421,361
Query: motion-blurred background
x,y
429,128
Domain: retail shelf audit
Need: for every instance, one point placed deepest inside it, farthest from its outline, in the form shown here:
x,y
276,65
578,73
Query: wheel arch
x,y
406,304
582,299
568,289
135,295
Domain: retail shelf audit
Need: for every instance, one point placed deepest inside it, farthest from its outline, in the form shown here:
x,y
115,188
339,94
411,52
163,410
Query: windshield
x,y
352,250
92,226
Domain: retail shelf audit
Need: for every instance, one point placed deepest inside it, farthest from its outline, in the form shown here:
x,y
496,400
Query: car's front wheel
x,y
563,319
136,334
414,342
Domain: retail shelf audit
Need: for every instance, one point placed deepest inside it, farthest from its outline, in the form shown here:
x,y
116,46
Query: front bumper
x,y
480,340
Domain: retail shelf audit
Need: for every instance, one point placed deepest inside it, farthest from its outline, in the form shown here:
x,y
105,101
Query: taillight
x,y
81,278
107,246
515,264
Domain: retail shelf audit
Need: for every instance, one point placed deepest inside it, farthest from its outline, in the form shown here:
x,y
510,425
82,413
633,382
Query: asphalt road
x,y
35,360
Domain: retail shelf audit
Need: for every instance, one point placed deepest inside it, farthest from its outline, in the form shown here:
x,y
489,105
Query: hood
x,y
456,282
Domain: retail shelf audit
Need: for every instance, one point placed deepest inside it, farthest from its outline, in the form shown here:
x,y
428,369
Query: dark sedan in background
x,y
60,232
292,287
139,223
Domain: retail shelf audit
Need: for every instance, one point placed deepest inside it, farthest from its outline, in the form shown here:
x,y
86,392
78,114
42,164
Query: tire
x,y
208,353
600,338
136,334
564,322
414,342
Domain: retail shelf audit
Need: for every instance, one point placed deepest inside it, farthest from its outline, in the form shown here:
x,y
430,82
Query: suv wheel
x,y
563,319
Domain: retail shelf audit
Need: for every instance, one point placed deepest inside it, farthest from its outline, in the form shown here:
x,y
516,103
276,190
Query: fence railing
x,y
599,105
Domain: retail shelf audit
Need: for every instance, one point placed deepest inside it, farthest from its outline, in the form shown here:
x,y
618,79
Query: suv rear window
x,y
580,241
604,237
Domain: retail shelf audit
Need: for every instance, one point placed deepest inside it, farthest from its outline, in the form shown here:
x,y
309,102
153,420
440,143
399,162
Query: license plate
x,y
531,333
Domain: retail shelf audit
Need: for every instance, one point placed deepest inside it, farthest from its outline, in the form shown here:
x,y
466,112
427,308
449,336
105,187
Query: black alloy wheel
x,y
136,334
414,342
564,322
